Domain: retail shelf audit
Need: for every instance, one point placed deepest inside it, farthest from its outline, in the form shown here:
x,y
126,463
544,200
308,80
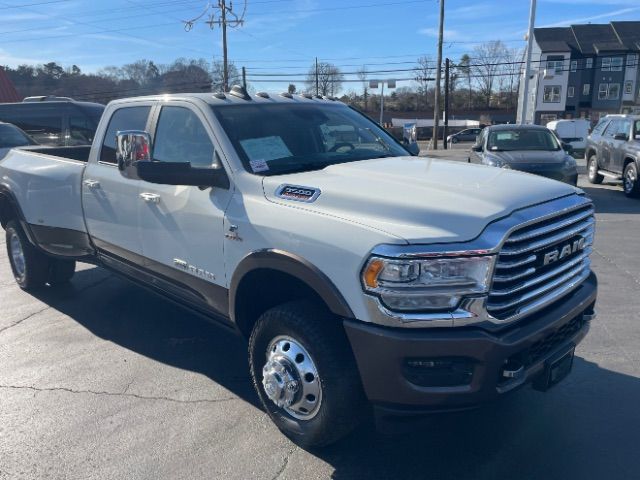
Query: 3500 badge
x,y
298,193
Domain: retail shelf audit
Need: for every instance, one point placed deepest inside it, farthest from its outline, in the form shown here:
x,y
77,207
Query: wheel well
x,y
591,152
262,289
627,161
7,212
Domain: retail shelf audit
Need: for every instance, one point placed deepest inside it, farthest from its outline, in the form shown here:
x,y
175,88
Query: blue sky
x,y
282,36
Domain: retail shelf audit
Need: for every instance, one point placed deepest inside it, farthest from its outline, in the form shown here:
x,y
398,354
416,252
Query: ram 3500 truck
x,y
359,274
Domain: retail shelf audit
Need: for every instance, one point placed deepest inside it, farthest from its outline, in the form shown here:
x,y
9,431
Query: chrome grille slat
x,y
559,237
521,283
544,230
541,278
517,263
540,290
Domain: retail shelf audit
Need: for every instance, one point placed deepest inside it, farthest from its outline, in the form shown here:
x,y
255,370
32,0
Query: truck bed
x,y
46,182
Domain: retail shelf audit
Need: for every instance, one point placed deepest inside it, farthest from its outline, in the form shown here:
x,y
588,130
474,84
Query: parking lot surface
x,y
102,379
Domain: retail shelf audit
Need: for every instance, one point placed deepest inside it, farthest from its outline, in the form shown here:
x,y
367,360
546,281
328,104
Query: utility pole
x,y
221,20
447,86
244,78
527,65
317,78
382,103
436,106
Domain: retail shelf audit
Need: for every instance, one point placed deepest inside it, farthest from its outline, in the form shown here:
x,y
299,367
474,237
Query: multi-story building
x,y
583,71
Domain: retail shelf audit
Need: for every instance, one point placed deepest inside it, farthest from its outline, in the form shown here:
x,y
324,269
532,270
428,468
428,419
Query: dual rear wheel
x,y
31,268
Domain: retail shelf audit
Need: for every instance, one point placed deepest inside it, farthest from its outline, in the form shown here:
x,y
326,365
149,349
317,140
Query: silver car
x,y
528,148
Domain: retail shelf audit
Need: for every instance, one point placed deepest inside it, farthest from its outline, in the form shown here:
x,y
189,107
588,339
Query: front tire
x,y
454,140
30,267
630,182
592,171
305,374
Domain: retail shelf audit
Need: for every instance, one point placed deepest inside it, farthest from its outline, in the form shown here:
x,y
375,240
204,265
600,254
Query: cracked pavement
x,y
102,379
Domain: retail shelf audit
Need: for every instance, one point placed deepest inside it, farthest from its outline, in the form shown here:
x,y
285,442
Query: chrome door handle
x,y
150,197
92,183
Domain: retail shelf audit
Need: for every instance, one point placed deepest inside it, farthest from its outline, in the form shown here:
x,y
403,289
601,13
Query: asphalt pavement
x,y
102,379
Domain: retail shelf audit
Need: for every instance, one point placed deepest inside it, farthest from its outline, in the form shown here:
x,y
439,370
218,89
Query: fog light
x,y
438,372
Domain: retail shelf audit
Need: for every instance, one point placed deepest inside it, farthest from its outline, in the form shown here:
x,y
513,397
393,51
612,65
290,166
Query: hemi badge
x,y
298,193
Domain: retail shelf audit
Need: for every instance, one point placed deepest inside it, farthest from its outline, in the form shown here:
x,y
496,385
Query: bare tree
x,y
465,71
424,70
486,66
217,76
513,66
329,79
362,76
291,88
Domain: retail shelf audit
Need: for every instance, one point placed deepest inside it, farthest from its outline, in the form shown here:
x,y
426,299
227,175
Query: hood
x,y
529,156
419,199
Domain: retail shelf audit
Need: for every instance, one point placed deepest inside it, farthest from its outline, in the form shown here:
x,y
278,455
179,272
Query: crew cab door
x,y
182,227
110,201
617,145
606,145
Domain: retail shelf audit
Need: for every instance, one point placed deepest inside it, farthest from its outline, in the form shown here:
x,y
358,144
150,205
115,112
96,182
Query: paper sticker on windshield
x,y
258,165
298,193
265,148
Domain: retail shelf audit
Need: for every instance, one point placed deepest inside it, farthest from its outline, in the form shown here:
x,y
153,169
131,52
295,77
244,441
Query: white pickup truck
x,y
360,275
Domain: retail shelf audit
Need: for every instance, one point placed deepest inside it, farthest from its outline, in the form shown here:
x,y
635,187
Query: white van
x,y
573,132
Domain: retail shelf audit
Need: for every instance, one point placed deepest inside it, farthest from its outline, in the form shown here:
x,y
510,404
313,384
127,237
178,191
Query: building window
x,y
616,64
570,92
589,63
628,87
574,65
551,94
586,89
606,64
632,60
608,91
555,64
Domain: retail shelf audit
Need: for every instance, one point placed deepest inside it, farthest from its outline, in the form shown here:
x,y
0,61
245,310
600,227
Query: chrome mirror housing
x,y
132,146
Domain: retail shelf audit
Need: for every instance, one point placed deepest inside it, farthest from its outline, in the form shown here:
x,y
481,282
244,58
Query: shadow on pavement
x,y
586,427
611,200
143,322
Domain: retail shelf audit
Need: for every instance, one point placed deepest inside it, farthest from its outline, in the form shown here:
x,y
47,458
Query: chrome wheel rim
x,y
17,255
290,378
593,169
629,180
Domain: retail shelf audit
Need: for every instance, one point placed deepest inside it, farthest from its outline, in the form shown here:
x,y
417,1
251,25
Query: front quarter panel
x,y
337,248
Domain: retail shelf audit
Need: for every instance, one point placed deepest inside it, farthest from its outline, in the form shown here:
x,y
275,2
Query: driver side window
x,y
181,137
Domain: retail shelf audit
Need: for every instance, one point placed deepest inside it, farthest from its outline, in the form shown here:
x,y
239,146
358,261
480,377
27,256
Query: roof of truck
x,y
517,126
238,96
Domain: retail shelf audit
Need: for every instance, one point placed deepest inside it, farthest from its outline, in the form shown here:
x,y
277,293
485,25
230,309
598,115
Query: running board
x,y
612,176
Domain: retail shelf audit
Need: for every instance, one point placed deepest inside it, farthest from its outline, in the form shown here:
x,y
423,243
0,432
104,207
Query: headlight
x,y
427,284
496,162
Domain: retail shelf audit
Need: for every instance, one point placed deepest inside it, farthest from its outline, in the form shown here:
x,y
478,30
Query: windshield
x,y
524,139
273,139
11,136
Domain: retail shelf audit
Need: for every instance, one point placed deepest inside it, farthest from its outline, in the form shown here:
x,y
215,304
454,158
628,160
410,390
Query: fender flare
x,y
6,193
295,266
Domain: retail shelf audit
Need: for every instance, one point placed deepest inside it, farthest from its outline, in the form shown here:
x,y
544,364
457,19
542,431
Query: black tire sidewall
x,y
36,265
595,177
635,188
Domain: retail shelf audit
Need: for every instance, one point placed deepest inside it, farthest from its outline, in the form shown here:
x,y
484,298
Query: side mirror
x,y
413,148
181,173
621,136
567,147
476,148
132,146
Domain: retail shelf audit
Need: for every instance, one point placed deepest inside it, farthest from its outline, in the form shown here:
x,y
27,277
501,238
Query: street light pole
x,y
527,65
436,101
381,103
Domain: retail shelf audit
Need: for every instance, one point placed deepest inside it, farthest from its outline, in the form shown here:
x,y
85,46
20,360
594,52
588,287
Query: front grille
x,y
522,282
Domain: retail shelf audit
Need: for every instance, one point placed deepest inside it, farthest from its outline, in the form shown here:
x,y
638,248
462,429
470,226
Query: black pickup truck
x,y
613,151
